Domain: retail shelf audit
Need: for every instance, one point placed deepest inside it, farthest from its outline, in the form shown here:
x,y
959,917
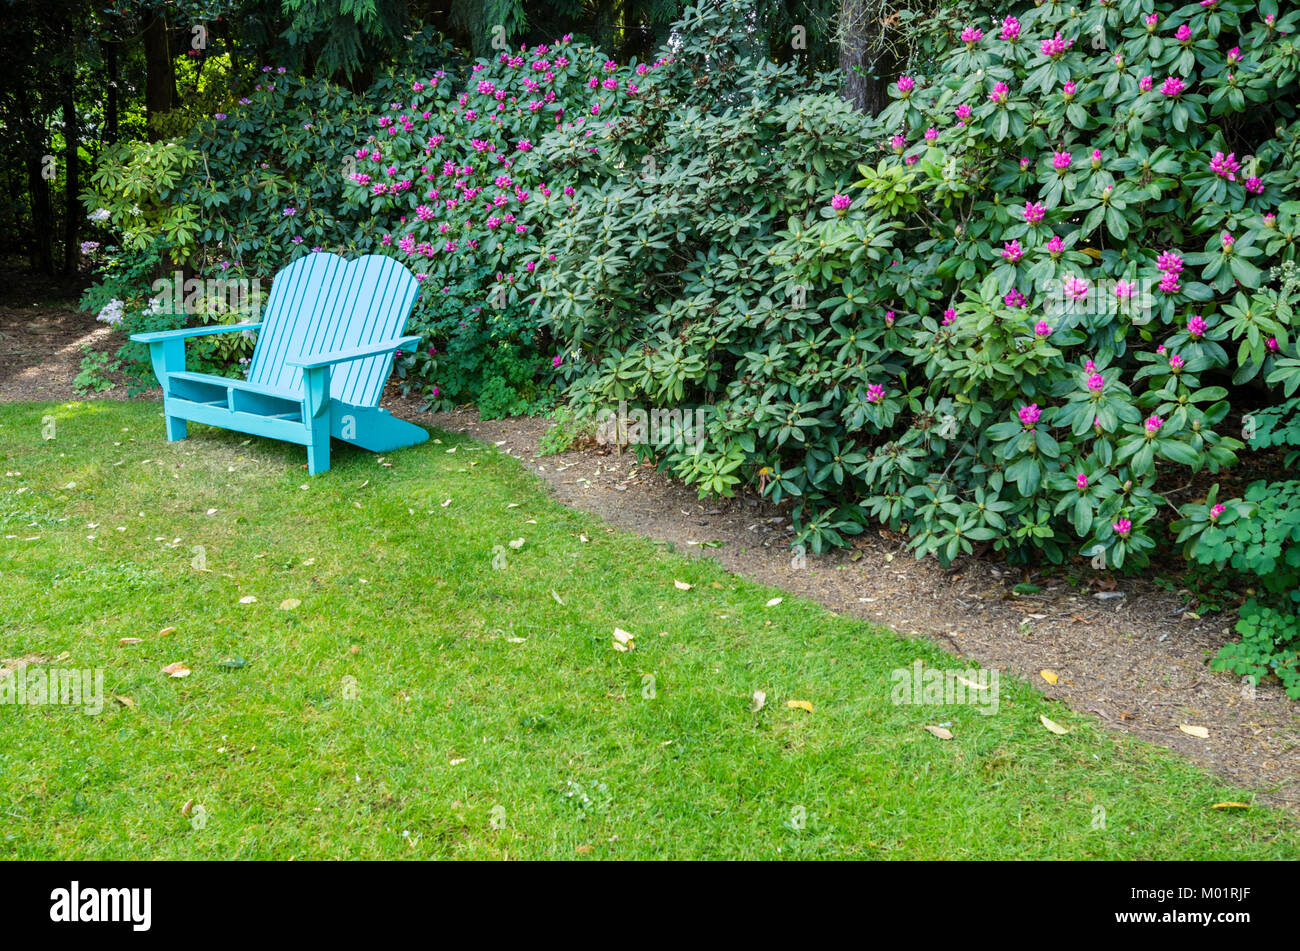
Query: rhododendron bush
x,y
1016,321
447,183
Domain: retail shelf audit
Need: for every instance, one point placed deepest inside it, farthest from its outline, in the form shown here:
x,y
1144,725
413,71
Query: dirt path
x,y
1123,650
42,336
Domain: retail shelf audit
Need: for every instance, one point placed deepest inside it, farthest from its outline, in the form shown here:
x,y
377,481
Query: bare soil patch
x,y
42,335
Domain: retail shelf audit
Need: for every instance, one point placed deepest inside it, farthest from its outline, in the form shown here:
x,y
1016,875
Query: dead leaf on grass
x,y
1053,726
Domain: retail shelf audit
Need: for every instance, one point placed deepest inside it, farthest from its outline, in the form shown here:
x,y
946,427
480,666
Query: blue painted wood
x,y
328,336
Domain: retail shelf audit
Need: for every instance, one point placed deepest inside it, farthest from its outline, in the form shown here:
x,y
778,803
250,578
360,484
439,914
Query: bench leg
x,y
318,457
316,414
175,428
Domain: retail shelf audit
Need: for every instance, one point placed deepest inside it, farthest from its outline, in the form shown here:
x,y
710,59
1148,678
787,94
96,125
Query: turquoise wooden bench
x,y
324,351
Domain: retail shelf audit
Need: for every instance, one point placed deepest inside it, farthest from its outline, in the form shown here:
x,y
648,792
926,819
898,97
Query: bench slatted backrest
x,y
321,303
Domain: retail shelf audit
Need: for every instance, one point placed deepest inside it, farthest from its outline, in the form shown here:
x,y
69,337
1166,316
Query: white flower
x,y
99,214
111,313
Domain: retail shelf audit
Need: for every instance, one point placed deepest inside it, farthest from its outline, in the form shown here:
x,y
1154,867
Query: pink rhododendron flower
x,y
1217,510
1034,213
841,202
1170,262
1271,344
1014,298
1153,424
1123,527
962,111
1012,251
1055,47
1255,185
931,134
906,84
999,94
1061,161
1076,288
1042,330
1096,382
971,35
1196,325
1184,34
1176,362
949,316
1225,166
1081,481
875,393
1145,83
1029,415
1010,29
1173,87
1055,246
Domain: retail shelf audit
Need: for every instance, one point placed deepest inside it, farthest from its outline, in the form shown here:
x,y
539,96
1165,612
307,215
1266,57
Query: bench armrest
x,y
314,360
184,332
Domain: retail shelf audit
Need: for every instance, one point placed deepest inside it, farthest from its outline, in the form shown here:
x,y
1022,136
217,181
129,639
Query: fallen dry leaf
x,y
131,640
681,585
247,599
516,543
760,699
940,732
1049,676
774,602
1197,731
623,640
124,701
176,670
1231,805
166,630
288,604
799,705
1053,726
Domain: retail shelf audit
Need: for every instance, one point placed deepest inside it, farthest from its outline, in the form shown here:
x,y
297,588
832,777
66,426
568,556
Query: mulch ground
x,y
1125,650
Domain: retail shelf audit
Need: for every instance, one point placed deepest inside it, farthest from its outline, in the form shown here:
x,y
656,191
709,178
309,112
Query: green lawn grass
x,y
489,719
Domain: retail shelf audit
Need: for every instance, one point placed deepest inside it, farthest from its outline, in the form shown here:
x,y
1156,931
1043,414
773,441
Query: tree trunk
x,y
32,138
110,109
40,252
867,57
160,76
72,173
